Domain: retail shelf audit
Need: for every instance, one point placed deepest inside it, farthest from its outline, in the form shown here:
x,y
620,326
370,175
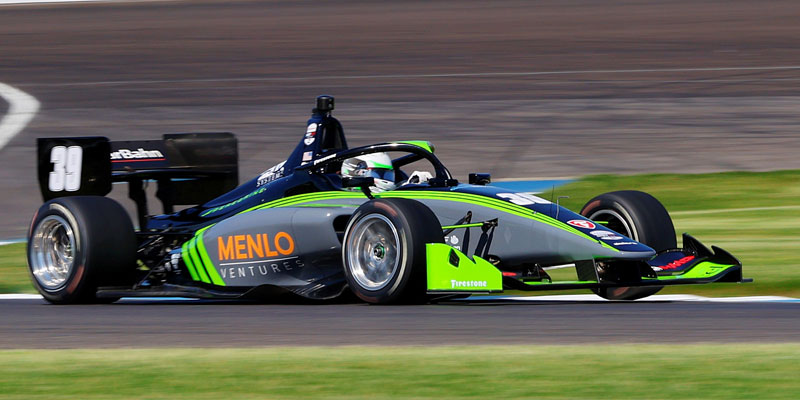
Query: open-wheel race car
x,y
330,220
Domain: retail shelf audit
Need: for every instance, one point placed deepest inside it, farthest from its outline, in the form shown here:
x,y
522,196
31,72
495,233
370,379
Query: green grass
x,y
13,270
766,241
705,205
742,371
682,192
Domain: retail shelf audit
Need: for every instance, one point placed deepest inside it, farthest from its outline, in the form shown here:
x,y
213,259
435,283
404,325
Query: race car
x,y
331,221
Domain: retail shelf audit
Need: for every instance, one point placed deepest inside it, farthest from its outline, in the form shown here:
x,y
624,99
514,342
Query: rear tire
x,y
384,250
640,217
77,244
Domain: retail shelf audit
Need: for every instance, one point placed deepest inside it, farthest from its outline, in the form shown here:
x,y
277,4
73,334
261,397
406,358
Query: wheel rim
x,y
616,222
373,252
52,252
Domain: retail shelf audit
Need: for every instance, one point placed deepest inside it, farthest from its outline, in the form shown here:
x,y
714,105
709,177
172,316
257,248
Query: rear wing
x,y
189,168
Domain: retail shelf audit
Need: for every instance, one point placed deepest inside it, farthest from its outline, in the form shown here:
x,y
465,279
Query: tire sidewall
x,y
105,247
651,224
75,283
648,218
408,282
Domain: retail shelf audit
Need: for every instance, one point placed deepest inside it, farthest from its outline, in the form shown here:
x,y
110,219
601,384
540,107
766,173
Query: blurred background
x,y
696,102
545,89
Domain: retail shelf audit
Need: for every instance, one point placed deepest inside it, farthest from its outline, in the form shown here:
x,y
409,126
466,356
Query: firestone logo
x,y
467,284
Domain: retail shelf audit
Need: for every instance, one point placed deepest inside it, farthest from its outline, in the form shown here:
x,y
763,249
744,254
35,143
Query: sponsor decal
x,y
522,199
453,241
308,155
311,130
233,203
125,155
675,264
582,223
605,235
252,255
251,246
271,174
467,284
311,133
323,159
624,243
262,268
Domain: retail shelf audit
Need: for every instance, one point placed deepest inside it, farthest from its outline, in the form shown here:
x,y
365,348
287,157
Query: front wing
x,y
451,271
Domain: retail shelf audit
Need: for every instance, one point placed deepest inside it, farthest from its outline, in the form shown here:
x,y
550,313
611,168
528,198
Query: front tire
x,y
640,217
384,250
76,244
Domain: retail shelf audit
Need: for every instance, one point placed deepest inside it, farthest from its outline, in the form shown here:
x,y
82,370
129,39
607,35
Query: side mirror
x,y
360,182
476,178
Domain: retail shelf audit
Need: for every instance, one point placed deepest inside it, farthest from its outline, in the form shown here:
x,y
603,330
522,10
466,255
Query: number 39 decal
x,y
66,174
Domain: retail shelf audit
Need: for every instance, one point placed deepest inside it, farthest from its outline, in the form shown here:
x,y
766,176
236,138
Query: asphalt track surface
x,y
34,324
515,88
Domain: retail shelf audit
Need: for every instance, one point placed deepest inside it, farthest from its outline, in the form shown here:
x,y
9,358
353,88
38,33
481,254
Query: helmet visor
x,y
381,173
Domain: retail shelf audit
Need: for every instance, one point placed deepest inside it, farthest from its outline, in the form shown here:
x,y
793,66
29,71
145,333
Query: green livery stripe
x,y
379,165
704,269
212,271
321,205
496,204
561,283
196,259
188,261
203,229
477,224
419,143
484,201
305,198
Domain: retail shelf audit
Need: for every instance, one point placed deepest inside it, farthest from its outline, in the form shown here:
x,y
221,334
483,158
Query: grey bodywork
x,y
316,228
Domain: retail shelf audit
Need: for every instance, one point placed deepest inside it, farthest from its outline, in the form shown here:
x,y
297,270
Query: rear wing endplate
x,y
189,168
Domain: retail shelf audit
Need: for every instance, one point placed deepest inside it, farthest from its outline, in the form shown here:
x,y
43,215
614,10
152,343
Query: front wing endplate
x,y
450,270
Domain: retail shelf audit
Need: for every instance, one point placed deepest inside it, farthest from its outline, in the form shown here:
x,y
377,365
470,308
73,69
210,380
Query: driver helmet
x,y
375,165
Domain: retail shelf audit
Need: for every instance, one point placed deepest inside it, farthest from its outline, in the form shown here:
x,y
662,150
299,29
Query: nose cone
x,y
611,244
627,249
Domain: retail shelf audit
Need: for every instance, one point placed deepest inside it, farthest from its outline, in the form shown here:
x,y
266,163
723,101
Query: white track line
x,y
42,1
13,296
22,296
22,108
663,297
412,76
576,297
730,210
24,2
